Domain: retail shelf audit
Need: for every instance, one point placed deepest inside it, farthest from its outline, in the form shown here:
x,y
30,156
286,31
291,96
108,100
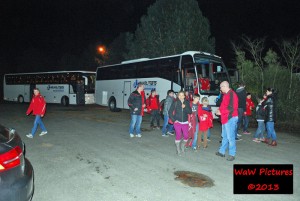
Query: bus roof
x,y
75,71
149,59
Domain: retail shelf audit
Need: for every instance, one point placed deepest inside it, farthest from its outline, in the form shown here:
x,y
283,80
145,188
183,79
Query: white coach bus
x,y
64,87
193,71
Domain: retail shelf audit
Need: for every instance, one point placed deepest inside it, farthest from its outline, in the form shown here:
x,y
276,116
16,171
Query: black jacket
x,y
181,114
260,112
135,101
269,106
242,95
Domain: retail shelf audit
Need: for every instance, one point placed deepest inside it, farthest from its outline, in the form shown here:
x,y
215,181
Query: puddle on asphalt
x,y
194,179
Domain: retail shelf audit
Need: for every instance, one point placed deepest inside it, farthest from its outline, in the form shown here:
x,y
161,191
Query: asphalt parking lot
x,y
87,155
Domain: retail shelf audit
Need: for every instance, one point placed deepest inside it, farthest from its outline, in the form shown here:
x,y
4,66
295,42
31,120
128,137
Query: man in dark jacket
x,y
167,128
242,95
135,104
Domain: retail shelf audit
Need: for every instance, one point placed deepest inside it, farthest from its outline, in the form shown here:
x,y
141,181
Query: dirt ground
x,y
88,155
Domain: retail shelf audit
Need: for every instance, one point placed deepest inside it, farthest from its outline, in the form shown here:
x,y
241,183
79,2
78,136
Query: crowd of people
x,y
191,119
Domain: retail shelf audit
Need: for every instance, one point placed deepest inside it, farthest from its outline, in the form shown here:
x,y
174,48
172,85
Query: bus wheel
x,y
112,104
65,101
20,99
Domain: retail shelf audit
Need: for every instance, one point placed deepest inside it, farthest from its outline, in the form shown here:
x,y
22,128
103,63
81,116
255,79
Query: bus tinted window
x,y
169,69
147,69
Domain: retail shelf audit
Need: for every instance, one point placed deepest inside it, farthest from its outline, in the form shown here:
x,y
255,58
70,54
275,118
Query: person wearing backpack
x,y
167,128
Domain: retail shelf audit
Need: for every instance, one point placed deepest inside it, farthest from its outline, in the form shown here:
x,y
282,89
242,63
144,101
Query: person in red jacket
x,y
249,107
229,117
153,108
38,108
205,122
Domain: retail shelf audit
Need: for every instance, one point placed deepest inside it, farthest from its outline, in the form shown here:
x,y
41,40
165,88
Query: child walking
x,y
153,108
260,118
193,122
248,113
205,122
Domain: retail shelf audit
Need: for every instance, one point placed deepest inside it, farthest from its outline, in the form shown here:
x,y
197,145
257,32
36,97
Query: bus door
x,y
29,92
126,93
80,96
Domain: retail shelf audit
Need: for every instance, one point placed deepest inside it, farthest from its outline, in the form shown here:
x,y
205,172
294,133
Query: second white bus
x,y
65,87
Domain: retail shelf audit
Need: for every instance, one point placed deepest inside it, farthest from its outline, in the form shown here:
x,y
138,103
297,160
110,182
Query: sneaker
x,y
43,133
165,135
138,135
238,139
256,140
239,135
158,127
208,139
29,135
219,154
246,133
170,133
131,135
261,139
230,158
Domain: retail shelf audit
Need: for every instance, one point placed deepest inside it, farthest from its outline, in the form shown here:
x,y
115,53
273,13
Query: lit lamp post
x,y
103,55
102,50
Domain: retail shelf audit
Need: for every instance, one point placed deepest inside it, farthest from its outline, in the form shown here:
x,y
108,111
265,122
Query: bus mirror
x,y
85,80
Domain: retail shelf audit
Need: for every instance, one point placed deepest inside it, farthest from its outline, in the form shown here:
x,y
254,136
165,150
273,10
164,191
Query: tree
x,y
171,27
290,50
117,49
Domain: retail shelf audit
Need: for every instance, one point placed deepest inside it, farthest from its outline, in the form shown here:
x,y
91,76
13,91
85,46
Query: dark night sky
x,y
56,27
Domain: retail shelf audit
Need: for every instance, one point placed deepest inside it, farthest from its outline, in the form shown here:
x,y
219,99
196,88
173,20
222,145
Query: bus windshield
x,y
211,72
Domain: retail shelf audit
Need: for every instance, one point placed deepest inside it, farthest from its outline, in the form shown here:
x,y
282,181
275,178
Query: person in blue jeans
x,y
260,118
135,103
167,128
38,108
270,109
229,117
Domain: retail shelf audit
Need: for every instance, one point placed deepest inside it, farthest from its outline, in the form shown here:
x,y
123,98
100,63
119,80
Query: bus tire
x,y
20,99
65,101
112,104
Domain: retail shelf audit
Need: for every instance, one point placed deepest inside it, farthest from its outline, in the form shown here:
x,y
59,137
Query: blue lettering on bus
x,y
55,88
149,85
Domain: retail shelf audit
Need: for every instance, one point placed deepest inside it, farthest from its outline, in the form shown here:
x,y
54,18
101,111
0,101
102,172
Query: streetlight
x,y
102,50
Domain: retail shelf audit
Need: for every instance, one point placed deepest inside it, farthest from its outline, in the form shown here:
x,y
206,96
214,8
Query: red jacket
x,y
249,107
37,105
229,106
152,103
205,123
193,120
